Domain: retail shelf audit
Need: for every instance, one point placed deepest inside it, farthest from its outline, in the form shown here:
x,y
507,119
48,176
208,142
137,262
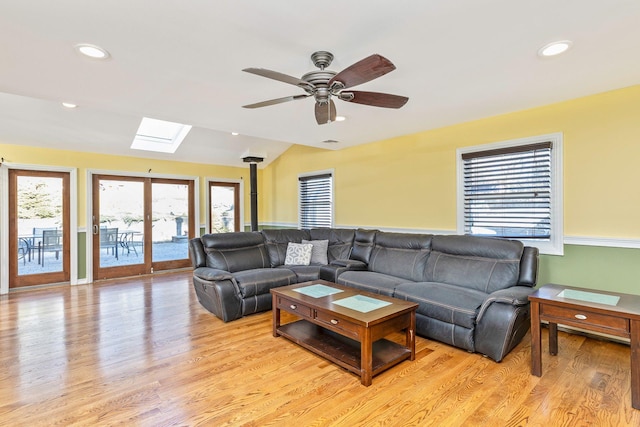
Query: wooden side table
x,y
611,313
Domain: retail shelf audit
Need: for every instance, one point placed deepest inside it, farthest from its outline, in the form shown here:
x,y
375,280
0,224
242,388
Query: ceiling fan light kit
x,y
324,84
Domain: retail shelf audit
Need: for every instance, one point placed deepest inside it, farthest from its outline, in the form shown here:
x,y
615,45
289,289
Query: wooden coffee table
x,y
335,326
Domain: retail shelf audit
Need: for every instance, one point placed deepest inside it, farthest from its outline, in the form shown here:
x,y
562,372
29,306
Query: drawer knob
x,y
293,306
581,316
334,322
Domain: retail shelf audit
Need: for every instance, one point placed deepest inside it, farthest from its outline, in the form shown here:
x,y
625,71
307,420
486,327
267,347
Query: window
x,y
316,200
159,135
513,190
225,206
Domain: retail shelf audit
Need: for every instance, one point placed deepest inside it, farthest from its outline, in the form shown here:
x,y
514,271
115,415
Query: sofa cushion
x,y
276,242
363,242
376,283
261,280
448,303
481,263
340,241
304,273
401,255
319,251
446,332
485,247
235,251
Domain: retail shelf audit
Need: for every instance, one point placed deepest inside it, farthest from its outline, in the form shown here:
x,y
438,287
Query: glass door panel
x,y
121,222
39,231
118,227
170,213
224,212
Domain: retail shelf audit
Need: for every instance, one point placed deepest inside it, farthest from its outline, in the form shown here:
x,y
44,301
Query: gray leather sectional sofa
x,y
472,292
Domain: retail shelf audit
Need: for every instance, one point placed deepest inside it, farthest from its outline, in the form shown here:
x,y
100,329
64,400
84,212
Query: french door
x,y
224,207
140,225
39,227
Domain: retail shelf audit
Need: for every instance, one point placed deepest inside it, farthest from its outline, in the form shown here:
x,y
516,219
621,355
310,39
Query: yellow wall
x,y
410,181
82,161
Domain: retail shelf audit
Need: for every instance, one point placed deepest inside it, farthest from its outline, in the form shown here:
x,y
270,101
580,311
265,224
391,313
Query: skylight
x,y
159,136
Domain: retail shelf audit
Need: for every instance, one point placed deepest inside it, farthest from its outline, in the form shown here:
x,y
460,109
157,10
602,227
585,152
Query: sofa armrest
x,y
337,267
515,295
212,274
350,264
218,292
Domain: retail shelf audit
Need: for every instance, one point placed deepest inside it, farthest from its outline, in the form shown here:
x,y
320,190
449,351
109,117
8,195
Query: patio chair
x,y
129,242
23,250
109,240
35,241
51,242
137,240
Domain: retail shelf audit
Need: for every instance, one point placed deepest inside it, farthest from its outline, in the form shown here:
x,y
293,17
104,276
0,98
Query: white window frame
x,y
554,245
311,174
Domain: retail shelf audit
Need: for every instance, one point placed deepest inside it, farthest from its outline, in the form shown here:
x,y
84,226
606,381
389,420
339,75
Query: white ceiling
x,y
181,60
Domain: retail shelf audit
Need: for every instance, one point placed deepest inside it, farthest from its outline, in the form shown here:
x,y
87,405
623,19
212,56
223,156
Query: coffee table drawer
x,y
584,317
345,327
295,307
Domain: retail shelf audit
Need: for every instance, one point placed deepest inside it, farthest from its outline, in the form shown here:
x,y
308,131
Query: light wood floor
x,y
143,352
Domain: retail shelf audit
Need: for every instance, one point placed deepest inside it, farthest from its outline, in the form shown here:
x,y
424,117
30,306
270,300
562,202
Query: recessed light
x,y
92,51
68,105
235,133
330,141
555,48
340,118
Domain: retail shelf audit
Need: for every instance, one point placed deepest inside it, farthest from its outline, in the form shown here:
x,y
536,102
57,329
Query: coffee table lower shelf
x,y
341,350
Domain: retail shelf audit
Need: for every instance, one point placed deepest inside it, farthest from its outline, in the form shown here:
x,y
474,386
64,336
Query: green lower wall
x,y
82,255
593,267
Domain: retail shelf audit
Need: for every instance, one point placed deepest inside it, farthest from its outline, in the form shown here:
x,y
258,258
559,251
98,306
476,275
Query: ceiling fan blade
x,y
363,71
375,99
279,76
325,113
275,101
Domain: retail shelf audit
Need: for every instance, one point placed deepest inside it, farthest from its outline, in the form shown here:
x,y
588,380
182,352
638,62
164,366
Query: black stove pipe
x,y
253,170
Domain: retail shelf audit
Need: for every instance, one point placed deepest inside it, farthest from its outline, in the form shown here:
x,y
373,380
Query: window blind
x,y
316,196
507,192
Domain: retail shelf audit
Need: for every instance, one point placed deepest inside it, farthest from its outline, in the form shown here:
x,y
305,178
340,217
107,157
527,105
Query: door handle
x,y
95,229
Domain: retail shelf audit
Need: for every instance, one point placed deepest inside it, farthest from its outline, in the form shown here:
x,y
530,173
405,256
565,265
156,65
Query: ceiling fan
x,y
324,84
